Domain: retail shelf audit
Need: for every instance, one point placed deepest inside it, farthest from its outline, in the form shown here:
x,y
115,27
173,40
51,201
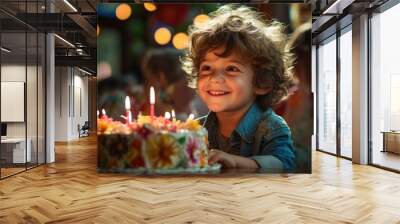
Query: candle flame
x,y
127,103
173,113
98,112
167,115
191,117
103,112
152,95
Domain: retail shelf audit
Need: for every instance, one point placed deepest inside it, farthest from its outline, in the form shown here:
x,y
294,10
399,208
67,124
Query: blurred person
x,y
297,110
112,92
161,69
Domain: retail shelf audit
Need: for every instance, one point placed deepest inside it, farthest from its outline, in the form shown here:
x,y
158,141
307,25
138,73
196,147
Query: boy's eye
x,y
204,68
232,68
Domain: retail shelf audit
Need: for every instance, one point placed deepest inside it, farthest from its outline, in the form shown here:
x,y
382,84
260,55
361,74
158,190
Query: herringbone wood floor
x,y
71,191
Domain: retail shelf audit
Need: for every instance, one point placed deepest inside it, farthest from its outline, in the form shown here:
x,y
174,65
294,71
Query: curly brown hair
x,y
244,31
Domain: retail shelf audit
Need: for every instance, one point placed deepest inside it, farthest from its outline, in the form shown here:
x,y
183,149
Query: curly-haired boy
x,y
241,67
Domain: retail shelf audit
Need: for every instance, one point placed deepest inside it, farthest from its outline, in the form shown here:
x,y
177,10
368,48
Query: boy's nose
x,y
218,77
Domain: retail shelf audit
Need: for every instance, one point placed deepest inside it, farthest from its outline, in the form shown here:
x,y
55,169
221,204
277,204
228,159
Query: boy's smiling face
x,y
226,83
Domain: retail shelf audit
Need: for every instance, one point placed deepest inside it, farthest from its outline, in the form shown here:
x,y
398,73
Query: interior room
x,y
22,102
56,54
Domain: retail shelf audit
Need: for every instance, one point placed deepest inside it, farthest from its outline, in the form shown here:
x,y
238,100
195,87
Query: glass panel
x,y
31,97
14,153
327,96
41,98
385,84
31,85
22,77
346,94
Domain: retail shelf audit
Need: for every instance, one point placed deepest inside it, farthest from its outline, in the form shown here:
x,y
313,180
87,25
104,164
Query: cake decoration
x,y
152,144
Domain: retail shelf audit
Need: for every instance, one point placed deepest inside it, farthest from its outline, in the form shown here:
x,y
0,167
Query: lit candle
x,y
173,115
98,113
167,115
103,113
191,117
128,109
152,101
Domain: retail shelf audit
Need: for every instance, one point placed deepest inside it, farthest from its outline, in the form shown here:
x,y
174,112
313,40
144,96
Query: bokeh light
x,y
199,19
123,11
180,41
98,30
162,36
150,7
104,70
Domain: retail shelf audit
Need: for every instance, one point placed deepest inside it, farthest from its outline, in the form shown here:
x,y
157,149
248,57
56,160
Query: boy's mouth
x,y
217,92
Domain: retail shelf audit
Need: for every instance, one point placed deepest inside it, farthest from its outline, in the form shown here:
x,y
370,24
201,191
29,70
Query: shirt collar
x,y
247,125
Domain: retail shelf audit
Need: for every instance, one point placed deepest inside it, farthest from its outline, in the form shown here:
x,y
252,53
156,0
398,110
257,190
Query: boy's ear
x,y
262,91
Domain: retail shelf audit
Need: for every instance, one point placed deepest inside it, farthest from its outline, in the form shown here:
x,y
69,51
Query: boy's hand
x,y
231,161
227,160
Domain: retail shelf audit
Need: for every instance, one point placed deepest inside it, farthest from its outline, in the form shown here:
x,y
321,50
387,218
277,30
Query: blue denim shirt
x,y
261,135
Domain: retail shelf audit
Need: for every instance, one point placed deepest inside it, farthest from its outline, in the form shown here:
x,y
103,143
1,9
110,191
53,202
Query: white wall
x,y
16,73
33,127
61,103
80,110
71,94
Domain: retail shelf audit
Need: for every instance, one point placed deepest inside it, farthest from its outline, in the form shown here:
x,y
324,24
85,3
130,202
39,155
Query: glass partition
x,y
22,89
346,93
15,151
327,95
31,97
41,91
385,89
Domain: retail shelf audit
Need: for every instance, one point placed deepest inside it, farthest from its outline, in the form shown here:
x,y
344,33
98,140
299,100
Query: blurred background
x,y
139,46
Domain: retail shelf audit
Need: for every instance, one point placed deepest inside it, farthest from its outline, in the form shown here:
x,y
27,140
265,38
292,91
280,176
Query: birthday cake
x,y
152,145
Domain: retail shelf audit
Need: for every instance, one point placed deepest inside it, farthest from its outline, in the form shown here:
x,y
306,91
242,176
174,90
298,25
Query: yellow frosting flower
x,y
102,125
142,119
192,125
162,151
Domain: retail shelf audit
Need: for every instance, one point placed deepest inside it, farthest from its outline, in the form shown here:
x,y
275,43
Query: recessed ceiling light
x,y
5,50
64,40
337,7
84,71
70,5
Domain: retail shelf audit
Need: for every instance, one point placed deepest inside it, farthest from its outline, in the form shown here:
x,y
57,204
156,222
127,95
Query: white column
x,y
50,93
360,90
